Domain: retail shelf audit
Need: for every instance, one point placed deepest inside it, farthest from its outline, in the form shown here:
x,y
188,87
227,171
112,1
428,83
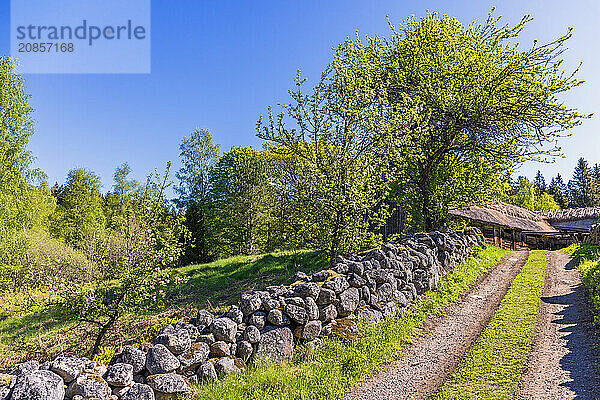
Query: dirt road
x,y
431,359
563,361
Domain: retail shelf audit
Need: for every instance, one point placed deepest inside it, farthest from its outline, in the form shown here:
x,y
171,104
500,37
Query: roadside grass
x,y
338,365
587,258
493,367
40,330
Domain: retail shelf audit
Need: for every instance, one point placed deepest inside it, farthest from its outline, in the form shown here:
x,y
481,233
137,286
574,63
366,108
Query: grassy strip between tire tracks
x,y
338,365
493,367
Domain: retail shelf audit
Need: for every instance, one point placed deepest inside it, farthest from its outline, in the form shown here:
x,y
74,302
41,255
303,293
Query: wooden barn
x,y
517,228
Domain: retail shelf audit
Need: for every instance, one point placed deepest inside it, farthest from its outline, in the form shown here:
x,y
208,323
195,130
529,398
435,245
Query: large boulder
x,y
167,385
250,303
160,360
296,313
204,318
39,385
119,375
226,366
68,368
134,357
139,391
276,345
196,355
206,372
276,317
349,299
89,385
177,342
224,329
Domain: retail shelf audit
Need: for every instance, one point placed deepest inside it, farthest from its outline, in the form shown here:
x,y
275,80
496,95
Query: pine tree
x,y
580,187
558,189
540,182
595,190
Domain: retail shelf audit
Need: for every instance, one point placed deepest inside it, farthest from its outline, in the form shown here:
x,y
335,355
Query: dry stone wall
x,y
263,328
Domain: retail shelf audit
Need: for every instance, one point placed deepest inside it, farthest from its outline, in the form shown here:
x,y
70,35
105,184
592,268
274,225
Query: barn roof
x,y
508,215
571,214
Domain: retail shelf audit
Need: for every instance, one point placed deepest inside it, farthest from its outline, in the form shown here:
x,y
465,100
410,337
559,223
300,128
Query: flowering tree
x,y
135,262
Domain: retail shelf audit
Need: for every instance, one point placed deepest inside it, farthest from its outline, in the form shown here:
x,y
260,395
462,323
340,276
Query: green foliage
x,y
529,196
79,212
241,201
117,203
580,187
133,274
25,201
337,365
587,258
331,146
493,366
198,156
470,101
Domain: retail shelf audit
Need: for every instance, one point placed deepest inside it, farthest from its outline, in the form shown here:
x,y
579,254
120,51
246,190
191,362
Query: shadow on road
x,y
581,361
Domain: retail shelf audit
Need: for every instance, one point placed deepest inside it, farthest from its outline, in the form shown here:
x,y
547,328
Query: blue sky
x,y
218,65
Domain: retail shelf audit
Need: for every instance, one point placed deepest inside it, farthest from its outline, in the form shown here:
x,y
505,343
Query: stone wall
x,y
263,328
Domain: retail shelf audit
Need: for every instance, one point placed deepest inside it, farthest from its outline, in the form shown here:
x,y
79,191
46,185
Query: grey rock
x,y
356,281
326,296
258,319
136,358
305,290
206,372
235,314
139,391
296,313
296,301
300,276
7,382
252,334
196,355
208,338
224,329
89,385
276,317
119,375
192,330
177,342
276,345
311,330
250,303
312,309
204,318
160,360
327,313
68,368
220,349
244,350
349,299
39,385
169,384
226,366
26,367
337,284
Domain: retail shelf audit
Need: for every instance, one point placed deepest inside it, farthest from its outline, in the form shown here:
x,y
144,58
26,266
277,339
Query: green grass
x,y
588,264
338,365
42,331
493,367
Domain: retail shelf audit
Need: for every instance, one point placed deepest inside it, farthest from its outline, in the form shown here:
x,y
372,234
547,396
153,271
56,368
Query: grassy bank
x,y
588,264
493,367
338,365
28,330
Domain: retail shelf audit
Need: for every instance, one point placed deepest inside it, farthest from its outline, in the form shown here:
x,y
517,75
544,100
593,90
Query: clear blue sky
x,y
218,65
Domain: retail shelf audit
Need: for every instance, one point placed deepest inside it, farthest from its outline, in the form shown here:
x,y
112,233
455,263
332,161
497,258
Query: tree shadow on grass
x,y
218,285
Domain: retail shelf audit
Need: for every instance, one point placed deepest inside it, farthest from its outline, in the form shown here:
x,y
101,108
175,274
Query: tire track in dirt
x,y
563,363
425,364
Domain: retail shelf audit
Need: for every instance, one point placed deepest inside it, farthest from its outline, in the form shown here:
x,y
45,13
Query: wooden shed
x,y
516,228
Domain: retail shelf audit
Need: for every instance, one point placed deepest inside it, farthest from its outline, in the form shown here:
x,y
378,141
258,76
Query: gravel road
x,y
563,363
425,364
